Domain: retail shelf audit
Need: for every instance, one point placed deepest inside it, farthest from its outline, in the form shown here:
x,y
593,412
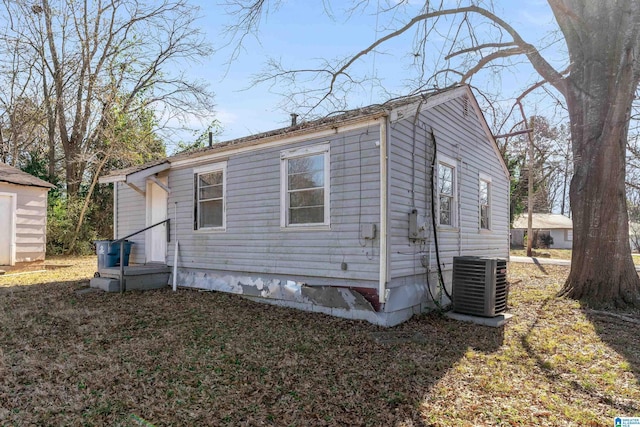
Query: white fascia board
x,y
276,141
409,110
141,174
144,173
112,178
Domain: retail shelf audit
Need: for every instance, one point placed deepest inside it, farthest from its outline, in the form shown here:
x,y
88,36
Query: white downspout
x,y
384,205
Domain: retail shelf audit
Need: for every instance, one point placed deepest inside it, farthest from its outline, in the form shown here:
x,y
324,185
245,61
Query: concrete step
x,y
134,270
138,277
146,281
107,284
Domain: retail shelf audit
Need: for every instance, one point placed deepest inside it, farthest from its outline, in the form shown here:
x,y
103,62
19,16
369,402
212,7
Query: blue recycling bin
x,y
109,253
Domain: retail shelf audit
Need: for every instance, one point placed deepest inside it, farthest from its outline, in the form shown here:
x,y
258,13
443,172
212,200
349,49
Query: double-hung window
x,y
209,197
446,186
485,202
305,187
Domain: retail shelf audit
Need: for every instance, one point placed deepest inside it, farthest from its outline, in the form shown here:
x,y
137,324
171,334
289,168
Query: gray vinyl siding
x,y
132,216
31,221
462,138
254,241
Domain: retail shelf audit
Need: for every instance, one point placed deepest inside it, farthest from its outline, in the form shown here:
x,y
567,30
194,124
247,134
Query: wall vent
x,y
479,286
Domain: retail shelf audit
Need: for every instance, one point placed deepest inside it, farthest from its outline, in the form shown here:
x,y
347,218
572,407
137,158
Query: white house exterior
x,y
333,215
559,227
23,216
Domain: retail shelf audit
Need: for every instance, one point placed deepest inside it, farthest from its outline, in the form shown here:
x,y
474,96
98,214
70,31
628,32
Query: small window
x,y
485,204
305,187
446,192
209,206
568,235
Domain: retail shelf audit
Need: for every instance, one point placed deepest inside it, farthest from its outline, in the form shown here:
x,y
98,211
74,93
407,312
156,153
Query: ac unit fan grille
x,y
479,286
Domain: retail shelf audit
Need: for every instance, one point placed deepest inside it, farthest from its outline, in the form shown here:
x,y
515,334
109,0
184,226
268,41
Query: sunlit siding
x,y
459,135
30,221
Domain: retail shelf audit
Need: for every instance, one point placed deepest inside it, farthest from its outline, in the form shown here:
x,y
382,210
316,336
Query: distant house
x,y
558,227
23,216
332,215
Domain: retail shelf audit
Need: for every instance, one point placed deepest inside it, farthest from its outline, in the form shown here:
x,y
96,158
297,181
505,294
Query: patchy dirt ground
x,y
202,358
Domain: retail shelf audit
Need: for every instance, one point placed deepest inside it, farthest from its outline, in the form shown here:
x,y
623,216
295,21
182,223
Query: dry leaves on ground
x,y
203,358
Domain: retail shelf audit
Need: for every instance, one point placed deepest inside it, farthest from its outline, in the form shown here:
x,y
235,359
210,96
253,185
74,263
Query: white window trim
x,y
284,186
451,162
487,179
220,166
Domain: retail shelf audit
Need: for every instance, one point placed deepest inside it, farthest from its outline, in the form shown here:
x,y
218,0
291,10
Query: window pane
x,y
306,198
211,192
445,210
306,180
306,172
445,179
484,193
211,214
484,217
306,189
306,164
212,178
312,215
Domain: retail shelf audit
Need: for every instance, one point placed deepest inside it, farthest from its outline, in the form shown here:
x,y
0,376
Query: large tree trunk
x,y
599,94
74,171
602,269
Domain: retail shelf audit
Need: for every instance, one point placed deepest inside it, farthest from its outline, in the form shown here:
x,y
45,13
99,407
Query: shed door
x,y
156,238
6,224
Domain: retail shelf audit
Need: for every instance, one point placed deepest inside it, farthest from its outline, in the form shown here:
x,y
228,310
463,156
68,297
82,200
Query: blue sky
x,y
299,34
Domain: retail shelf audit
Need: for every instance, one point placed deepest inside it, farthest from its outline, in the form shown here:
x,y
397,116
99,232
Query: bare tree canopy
x,y
596,84
80,60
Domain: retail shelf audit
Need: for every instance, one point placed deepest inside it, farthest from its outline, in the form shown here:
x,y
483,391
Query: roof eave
x,y
136,175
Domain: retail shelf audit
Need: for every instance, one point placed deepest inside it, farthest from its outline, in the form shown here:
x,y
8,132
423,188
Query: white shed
x,y
23,216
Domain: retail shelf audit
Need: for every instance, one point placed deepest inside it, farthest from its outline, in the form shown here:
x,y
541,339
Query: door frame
x,y
149,240
13,202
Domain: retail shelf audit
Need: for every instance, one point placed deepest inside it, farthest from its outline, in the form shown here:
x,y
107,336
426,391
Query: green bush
x,y
62,217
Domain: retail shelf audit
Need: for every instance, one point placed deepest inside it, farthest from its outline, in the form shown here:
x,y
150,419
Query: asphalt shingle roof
x,y
13,175
543,221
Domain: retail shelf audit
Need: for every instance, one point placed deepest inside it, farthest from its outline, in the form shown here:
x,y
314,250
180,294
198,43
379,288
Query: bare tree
x,y
95,53
598,86
21,115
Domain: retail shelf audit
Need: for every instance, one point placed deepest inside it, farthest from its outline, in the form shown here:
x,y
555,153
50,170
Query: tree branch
x,y
478,48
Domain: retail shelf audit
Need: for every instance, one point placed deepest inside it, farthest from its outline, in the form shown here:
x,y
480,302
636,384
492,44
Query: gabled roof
x,y
12,175
331,121
543,221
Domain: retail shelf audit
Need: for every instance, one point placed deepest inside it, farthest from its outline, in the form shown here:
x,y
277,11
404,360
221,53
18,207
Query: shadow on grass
x,y
540,267
625,343
204,358
621,332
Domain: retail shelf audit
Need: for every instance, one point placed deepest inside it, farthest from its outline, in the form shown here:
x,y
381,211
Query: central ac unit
x,y
479,286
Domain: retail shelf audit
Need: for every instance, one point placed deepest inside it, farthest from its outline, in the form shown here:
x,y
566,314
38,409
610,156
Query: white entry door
x,y
7,231
156,238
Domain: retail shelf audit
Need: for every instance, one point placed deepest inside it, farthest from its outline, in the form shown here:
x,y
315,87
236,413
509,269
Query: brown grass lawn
x,y
204,358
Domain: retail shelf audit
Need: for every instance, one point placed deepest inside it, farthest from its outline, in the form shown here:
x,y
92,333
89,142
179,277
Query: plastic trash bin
x,y
109,253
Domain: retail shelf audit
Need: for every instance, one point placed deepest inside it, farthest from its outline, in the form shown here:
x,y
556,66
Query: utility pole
x,y
530,195
566,173
528,131
530,184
